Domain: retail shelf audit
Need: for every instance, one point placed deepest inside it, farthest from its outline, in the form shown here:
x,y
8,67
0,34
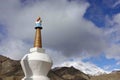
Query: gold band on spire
x,y
38,37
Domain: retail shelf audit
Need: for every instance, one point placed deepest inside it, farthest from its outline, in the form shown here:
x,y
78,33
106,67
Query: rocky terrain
x,y
67,73
11,70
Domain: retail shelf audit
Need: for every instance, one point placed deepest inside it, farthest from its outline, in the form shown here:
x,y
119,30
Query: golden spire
x,y
38,38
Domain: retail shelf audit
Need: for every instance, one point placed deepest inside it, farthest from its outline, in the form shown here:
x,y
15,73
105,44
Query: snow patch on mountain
x,y
86,67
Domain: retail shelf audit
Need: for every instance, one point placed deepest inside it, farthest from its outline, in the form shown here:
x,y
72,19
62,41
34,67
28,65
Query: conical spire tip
x,y
38,23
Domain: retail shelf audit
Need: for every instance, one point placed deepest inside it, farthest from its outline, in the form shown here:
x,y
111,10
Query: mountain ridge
x,y
11,70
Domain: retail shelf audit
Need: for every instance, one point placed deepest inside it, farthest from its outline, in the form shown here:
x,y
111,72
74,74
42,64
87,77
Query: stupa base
x,y
36,78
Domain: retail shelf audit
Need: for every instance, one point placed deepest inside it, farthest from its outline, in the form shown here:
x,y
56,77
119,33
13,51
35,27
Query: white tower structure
x,y
36,64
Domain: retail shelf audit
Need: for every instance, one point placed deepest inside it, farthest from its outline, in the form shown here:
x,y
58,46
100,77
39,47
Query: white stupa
x,y
36,64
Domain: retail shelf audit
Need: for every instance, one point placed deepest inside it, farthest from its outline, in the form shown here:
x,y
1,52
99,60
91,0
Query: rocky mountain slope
x,y
11,70
67,73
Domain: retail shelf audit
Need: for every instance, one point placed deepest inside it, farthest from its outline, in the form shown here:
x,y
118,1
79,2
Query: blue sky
x,y
86,30
103,62
99,9
97,12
